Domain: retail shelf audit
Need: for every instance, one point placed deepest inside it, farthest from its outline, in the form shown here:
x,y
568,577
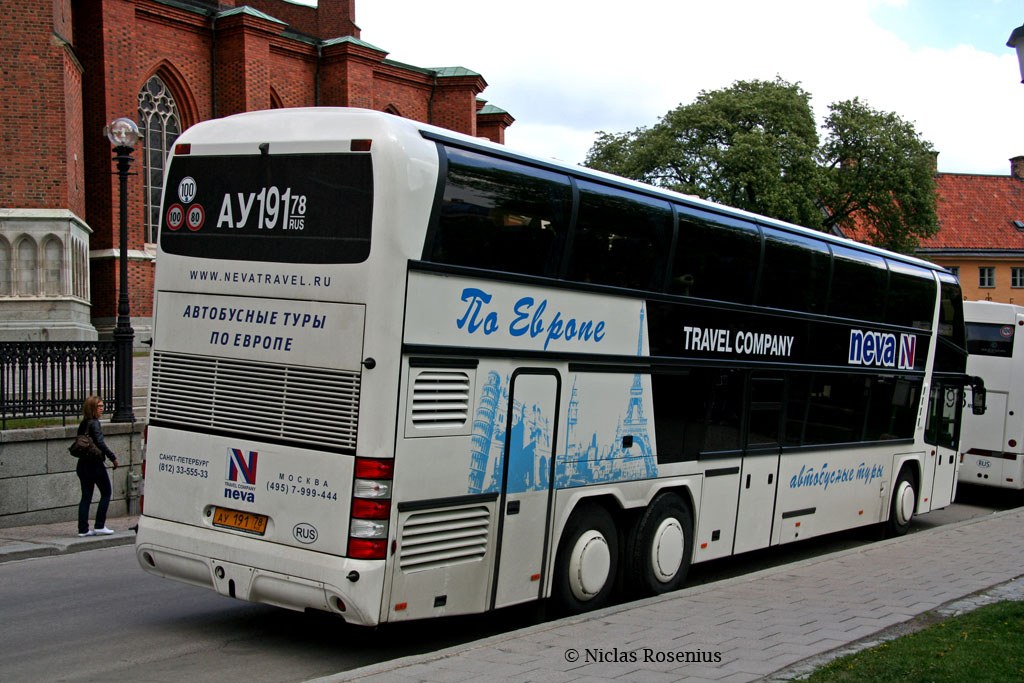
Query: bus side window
x,y
765,423
723,390
796,272
501,215
911,298
697,412
620,239
952,357
716,257
860,272
837,409
892,409
678,415
797,405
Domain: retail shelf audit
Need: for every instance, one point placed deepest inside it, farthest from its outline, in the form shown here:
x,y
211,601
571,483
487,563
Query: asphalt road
x,y
96,616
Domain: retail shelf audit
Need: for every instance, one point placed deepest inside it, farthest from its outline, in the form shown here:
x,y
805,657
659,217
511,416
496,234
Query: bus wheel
x,y
660,546
904,502
587,560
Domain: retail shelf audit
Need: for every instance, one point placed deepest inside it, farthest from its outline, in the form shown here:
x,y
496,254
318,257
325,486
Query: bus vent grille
x,y
440,398
440,538
314,407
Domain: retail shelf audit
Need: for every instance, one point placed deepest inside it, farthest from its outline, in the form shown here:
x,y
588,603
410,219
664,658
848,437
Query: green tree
x,y
755,146
877,174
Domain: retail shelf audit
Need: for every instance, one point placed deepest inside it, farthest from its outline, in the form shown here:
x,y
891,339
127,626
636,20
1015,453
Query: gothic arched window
x,y
53,266
159,126
27,280
6,267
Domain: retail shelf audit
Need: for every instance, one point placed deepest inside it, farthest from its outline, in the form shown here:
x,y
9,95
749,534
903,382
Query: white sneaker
x,y
87,533
103,532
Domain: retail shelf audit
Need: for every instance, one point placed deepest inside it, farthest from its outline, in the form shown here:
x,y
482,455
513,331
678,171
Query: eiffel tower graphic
x,y
588,462
635,422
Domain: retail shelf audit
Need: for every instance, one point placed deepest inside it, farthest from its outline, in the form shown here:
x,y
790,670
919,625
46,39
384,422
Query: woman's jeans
x,y
93,475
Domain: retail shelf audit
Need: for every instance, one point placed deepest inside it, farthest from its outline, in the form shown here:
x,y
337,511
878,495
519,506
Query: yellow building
x,y
981,233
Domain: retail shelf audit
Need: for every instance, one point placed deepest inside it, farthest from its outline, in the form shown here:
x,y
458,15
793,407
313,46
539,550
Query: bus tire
x,y
904,502
587,561
660,546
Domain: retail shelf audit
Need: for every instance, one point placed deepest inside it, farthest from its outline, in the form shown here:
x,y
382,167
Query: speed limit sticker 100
x,y
175,216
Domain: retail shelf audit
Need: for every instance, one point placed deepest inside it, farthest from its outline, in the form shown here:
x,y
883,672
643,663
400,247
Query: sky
x,y
567,69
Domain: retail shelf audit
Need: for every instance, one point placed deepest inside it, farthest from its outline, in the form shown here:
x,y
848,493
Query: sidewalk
x,y
775,624
42,540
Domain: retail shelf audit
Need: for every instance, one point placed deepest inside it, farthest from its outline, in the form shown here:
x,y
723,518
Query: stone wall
x,y
38,484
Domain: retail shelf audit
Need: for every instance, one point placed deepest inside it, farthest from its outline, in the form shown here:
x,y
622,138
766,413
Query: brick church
x,y
72,66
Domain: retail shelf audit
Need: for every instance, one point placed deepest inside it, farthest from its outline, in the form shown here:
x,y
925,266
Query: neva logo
x,y
238,463
881,349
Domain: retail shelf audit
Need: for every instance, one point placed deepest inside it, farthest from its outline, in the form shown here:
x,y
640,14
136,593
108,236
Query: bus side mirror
x,y
978,396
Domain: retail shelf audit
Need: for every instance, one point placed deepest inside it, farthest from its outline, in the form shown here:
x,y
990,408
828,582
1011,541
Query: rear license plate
x,y
242,521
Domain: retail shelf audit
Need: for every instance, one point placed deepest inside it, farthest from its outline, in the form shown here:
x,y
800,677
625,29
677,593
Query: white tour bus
x,y
992,445
400,372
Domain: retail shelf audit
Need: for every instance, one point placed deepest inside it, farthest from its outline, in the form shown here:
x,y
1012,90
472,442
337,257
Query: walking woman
x,y
92,472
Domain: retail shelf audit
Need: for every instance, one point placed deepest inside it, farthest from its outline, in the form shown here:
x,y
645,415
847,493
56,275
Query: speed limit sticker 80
x,y
195,216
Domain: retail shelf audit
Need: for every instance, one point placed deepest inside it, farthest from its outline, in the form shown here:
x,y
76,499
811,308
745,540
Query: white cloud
x,y
567,68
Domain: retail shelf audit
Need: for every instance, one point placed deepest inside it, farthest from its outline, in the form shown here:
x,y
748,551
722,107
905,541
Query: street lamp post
x,y
123,135
1016,41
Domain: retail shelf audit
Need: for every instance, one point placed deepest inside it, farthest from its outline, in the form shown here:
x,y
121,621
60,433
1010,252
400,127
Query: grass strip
x,y
984,645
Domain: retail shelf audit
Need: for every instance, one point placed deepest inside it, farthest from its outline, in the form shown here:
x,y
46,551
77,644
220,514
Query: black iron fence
x,y
53,379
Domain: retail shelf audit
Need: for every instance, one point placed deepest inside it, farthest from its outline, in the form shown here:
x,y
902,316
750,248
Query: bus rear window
x,y
990,339
302,208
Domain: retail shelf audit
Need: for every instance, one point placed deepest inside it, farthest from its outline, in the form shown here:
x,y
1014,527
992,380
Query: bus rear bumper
x,y
253,570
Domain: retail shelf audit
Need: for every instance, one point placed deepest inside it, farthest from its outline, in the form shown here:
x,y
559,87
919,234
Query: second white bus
x,y
992,444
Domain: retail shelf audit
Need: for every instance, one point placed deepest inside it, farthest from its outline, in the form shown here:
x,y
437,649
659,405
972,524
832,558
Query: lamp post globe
x,y
123,134
1016,41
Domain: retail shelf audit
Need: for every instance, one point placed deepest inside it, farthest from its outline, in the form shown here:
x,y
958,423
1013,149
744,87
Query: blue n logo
x,y
239,464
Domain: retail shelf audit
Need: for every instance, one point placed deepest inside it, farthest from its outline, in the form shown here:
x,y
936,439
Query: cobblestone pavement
x,y
774,624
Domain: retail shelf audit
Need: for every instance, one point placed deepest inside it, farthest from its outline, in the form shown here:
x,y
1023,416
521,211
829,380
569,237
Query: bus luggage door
x,y
526,490
942,434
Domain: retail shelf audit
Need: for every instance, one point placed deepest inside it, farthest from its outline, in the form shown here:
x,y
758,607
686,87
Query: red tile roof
x,y
975,212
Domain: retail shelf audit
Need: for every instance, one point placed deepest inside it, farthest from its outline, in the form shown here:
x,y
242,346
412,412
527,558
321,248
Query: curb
x,y
25,550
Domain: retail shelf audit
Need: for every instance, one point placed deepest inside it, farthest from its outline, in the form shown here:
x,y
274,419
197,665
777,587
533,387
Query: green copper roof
x,y
453,71
443,72
409,67
354,41
491,109
250,11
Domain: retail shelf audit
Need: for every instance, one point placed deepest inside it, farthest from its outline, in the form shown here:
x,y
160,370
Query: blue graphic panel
x,y
529,442
592,453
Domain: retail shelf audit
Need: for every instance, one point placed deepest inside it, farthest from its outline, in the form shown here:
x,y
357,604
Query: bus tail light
x,y
367,468
367,549
371,509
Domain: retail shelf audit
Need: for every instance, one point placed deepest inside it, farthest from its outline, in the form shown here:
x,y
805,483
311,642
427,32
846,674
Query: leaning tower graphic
x,y
483,432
